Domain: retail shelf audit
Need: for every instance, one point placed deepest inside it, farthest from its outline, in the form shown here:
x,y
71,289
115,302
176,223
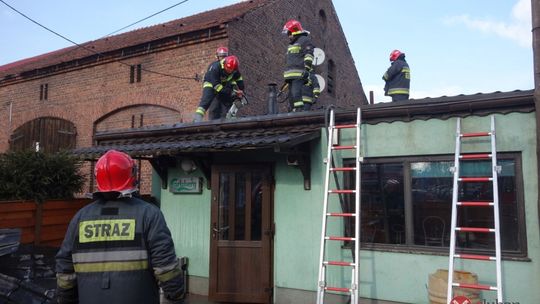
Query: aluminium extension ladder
x,y
458,204
324,262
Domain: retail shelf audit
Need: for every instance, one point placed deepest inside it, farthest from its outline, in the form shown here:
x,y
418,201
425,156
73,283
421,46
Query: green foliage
x,y
39,176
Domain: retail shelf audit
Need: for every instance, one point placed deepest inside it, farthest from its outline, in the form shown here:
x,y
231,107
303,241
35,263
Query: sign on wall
x,y
186,184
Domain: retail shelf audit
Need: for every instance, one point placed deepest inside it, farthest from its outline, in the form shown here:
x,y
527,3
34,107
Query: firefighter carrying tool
x,y
224,82
118,248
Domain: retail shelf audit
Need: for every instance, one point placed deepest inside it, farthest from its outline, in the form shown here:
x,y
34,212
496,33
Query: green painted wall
x,y
188,218
383,275
404,277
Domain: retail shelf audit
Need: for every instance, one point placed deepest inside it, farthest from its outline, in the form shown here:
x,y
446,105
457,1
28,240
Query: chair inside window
x,y
434,228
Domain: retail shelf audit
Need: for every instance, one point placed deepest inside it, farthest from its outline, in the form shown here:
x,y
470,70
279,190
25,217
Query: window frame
x,y
409,246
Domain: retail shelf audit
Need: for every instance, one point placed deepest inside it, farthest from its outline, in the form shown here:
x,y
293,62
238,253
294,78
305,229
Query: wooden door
x,y
241,234
50,134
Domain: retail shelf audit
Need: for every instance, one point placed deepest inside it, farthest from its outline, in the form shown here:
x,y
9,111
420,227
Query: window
x,y
330,83
407,203
322,18
135,73
44,91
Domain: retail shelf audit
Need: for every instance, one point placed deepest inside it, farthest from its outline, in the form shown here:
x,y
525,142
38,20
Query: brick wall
x,y
261,48
100,96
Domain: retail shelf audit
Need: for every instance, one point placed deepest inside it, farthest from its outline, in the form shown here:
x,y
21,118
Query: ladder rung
x,y
338,263
475,156
476,204
474,286
475,179
345,126
475,134
475,229
341,191
343,169
340,289
340,214
343,147
339,238
475,257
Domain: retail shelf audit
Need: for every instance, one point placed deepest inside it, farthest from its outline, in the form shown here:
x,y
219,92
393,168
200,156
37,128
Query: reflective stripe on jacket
x,y
117,252
299,56
398,78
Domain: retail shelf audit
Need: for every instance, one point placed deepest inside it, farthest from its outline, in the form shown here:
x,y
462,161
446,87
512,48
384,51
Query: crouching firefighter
x,y
224,82
118,249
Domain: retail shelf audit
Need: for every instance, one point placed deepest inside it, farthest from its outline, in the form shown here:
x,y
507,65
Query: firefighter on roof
x,y
222,52
118,248
224,82
299,62
398,77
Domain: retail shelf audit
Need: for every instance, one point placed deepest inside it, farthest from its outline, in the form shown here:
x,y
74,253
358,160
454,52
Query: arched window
x,y
322,18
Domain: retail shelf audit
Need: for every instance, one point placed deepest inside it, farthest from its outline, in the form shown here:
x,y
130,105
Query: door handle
x,y
216,230
220,229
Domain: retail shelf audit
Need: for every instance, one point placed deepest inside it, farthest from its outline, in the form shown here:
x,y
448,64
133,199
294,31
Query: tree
x,y
39,176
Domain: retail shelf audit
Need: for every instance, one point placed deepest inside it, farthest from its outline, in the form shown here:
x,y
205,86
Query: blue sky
x,y
453,47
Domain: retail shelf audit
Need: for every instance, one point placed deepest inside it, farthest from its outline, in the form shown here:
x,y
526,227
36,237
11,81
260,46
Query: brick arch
x,y
52,134
135,116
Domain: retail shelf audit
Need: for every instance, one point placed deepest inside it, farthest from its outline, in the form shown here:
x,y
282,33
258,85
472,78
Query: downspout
x,y
535,11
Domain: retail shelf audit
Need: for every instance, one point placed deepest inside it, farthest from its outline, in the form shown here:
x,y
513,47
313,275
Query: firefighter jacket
x,y
118,252
311,89
398,78
217,82
299,56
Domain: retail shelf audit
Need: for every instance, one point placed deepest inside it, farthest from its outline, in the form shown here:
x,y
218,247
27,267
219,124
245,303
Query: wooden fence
x,y
41,224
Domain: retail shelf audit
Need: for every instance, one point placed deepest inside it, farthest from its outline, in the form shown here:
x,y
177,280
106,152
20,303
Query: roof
x,y
220,140
284,131
192,23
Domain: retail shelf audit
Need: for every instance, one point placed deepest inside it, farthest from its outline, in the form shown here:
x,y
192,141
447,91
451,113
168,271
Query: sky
x,y
453,47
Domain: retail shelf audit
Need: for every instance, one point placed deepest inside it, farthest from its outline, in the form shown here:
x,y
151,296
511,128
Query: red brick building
x,y
152,76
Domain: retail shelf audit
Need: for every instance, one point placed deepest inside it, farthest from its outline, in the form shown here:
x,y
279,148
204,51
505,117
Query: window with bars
x,y
44,91
135,73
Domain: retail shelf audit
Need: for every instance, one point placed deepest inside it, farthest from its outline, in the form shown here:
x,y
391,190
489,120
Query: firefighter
x,y
118,248
397,77
222,52
299,62
310,91
224,82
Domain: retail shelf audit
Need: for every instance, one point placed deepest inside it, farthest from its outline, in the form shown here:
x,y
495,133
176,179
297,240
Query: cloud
x,y
518,29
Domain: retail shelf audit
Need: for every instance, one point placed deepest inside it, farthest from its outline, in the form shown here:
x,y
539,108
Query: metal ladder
x,y
493,204
322,287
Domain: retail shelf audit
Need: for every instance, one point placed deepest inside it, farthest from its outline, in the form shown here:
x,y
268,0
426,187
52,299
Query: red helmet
x,y
395,55
292,26
230,64
222,52
116,172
